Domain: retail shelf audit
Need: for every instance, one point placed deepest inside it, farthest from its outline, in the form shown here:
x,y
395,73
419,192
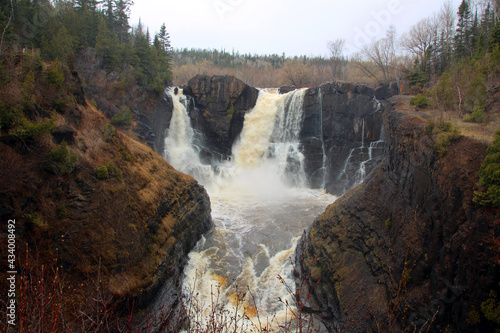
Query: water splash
x,y
179,148
260,205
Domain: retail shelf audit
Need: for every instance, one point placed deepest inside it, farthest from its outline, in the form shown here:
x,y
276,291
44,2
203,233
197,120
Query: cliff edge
x,y
407,248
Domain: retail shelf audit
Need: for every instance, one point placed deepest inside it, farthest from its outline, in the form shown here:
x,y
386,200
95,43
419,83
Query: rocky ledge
x,y
408,247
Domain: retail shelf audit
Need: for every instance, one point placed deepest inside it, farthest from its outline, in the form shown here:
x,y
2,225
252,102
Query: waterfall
x,y
323,167
179,149
267,158
260,207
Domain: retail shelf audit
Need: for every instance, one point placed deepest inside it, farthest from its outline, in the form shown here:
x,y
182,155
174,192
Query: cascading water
x,y
179,149
260,206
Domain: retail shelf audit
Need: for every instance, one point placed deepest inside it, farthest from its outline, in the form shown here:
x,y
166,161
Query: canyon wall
x,y
407,247
340,138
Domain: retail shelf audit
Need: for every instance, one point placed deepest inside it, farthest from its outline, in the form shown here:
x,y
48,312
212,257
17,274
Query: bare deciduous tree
x,y
383,54
420,38
337,59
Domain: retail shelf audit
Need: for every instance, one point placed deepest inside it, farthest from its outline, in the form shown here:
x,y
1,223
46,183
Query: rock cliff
x,y
407,247
341,135
220,106
119,215
341,131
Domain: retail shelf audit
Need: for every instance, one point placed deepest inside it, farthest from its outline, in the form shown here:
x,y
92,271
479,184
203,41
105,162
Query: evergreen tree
x,y
495,37
60,46
107,45
121,15
463,33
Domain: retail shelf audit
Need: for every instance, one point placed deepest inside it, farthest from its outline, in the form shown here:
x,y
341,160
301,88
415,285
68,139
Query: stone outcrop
x,y
408,246
341,135
220,102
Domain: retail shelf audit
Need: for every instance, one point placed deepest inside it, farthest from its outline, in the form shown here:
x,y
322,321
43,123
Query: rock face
x,y
111,92
220,106
341,134
408,246
131,229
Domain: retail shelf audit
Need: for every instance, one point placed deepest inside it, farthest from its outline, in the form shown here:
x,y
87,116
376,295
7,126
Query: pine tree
x,y
463,33
121,15
108,47
60,46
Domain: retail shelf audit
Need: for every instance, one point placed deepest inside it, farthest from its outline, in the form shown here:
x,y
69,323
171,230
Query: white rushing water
x,y
260,207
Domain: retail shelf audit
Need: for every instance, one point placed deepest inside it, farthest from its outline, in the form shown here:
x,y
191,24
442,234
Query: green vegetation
x,y
55,74
105,171
489,176
35,220
61,160
29,130
61,211
230,111
108,133
62,29
446,133
429,128
388,223
102,172
420,101
124,117
491,308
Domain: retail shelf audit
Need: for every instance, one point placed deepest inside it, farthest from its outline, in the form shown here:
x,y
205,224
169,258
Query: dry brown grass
x,y
482,132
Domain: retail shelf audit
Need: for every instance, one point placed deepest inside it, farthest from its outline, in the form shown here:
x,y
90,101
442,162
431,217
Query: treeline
x,y
60,29
257,70
459,42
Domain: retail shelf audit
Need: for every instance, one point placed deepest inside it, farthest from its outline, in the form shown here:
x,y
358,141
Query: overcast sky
x,y
275,26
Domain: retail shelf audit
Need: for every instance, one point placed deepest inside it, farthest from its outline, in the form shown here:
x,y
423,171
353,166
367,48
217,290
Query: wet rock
x,y
413,222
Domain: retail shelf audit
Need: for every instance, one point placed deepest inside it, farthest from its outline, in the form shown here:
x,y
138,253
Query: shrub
x,y
489,176
420,101
445,126
61,160
388,223
124,117
28,87
230,111
11,117
108,133
35,220
447,133
429,128
441,145
102,172
444,92
61,212
55,74
491,308
114,171
29,130
477,116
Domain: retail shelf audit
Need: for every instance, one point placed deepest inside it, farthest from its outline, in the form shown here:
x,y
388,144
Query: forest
x,y
61,29
450,57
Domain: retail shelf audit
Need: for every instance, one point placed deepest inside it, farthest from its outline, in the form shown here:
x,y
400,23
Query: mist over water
x,y
260,206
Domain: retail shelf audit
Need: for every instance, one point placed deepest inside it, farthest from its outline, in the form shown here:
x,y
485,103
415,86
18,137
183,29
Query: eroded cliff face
x,y
341,136
130,229
342,133
221,103
408,246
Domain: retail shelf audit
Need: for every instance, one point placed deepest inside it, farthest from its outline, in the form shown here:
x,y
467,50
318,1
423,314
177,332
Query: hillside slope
x,y
105,208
